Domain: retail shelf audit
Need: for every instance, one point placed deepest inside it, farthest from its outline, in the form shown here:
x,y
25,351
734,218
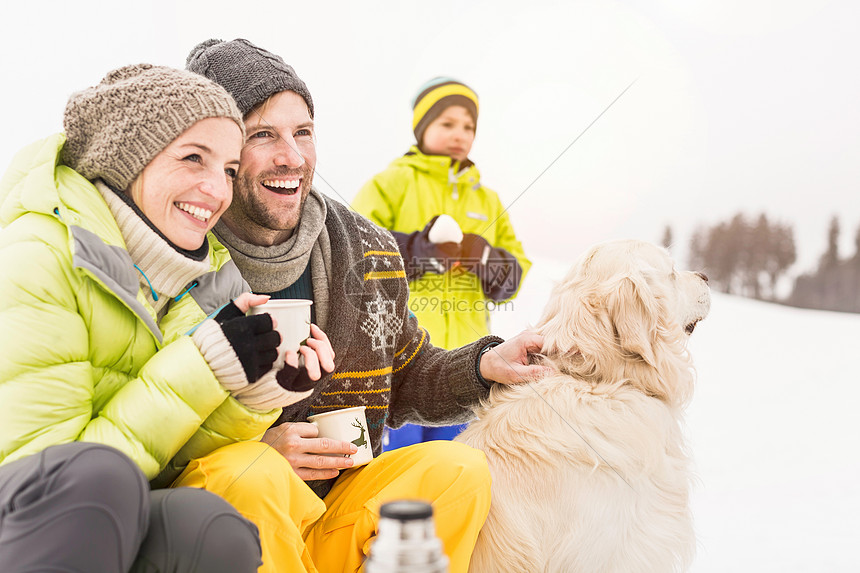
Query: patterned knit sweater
x,y
384,359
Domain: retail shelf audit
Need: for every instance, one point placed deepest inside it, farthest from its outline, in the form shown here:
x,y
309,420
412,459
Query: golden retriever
x,y
590,470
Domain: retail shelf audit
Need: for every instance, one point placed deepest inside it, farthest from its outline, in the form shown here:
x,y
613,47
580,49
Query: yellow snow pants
x,y
301,532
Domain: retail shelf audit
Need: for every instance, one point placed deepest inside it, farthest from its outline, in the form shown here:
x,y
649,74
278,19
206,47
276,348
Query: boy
x,y
456,239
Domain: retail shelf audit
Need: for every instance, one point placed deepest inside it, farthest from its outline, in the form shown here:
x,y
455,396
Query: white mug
x,y
294,323
346,425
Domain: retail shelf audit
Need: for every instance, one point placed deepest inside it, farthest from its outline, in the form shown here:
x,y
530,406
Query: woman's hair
x,y
136,187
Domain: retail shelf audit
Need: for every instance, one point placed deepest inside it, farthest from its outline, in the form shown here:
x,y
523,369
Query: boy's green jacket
x,y
403,198
82,354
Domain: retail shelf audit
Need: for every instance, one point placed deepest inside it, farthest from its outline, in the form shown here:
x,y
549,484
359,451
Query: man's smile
x,y
282,186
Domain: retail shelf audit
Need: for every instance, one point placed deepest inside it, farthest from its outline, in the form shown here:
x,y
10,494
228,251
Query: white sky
x,y
738,105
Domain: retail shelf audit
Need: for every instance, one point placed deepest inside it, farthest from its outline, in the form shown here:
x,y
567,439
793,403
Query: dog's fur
x,y
590,471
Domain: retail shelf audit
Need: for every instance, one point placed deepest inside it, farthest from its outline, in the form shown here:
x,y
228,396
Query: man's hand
x,y
508,363
311,457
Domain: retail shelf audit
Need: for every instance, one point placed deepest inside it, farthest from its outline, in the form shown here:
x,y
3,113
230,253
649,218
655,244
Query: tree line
x,y
835,283
748,256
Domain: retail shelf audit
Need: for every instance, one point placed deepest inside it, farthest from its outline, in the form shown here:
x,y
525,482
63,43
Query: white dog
x,y
590,471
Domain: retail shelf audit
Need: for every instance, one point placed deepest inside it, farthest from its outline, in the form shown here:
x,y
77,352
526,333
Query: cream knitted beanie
x,y
114,129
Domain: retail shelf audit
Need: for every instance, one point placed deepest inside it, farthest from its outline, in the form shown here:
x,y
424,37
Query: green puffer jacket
x,y
403,198
83,356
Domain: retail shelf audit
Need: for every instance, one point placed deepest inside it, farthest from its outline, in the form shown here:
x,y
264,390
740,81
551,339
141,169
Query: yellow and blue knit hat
x,y
437,95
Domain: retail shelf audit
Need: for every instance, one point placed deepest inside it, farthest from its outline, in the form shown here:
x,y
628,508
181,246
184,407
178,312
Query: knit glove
x,y
253,339
238,348
499,271
241,350
297,379
421,255
280,388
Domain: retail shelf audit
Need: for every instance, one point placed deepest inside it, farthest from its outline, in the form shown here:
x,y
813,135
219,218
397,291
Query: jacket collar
x,y
36,182
437,165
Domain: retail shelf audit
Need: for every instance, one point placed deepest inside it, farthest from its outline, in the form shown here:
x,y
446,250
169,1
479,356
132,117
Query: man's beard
x,y
252,208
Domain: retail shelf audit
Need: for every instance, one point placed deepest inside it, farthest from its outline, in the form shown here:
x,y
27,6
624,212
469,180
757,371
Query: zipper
x,y
452,180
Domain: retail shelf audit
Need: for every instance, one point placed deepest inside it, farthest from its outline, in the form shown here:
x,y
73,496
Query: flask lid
x,y
406,510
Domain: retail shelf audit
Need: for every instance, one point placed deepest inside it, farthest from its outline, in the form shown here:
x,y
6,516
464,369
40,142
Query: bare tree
x,y
744,257
831,256
781,254
697,249
856,258
835,284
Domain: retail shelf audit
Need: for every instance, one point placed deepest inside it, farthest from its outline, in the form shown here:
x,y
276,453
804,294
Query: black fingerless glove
x,y
252,338
297,379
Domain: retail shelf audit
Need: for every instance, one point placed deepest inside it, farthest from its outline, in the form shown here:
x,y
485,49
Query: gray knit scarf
x,y
162,269
270,269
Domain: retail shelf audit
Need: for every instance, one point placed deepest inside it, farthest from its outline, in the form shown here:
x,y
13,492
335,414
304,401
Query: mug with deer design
x,y
346,425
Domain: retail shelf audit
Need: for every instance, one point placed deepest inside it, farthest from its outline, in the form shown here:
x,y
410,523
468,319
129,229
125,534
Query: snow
x,y
774,430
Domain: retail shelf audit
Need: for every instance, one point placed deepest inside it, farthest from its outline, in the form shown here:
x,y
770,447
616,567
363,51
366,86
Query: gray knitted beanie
x,y
251,74
114,129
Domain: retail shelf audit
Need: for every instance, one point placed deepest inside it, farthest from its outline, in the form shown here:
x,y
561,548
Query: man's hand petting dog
x,y
508,363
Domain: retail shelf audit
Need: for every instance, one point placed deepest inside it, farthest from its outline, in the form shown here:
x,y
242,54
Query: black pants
x,y
87,508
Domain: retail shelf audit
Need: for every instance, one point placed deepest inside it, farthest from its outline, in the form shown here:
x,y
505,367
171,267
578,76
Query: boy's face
x,y
451,134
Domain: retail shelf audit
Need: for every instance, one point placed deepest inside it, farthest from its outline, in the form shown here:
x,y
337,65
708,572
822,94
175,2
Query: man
x,y
291,241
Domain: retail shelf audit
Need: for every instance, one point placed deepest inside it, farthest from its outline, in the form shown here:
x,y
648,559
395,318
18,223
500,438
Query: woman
x,y
110,372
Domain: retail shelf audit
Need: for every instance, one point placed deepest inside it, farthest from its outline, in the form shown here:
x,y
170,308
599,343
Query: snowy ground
x,y
774,429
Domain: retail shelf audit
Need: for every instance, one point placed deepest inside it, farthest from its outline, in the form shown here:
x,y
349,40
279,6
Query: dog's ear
x,y
652,348
558,324
576,330
634,312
